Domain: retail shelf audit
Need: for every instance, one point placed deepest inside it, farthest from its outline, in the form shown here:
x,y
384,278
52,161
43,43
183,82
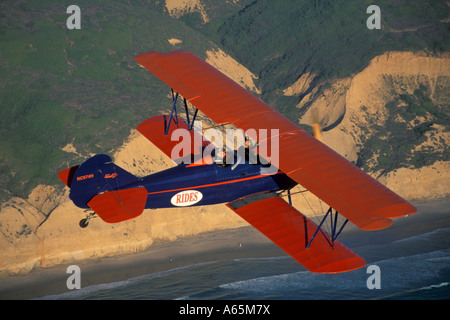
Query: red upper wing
x,y
356,195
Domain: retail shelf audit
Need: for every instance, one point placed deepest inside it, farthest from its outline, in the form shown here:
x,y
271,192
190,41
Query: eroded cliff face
x,y
351,105
178,8
373,105
43,231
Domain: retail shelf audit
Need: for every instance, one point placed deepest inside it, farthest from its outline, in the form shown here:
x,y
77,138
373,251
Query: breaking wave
x,y
426,236
396,275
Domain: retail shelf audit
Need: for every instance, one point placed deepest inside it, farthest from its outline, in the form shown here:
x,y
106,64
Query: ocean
x,y
411,260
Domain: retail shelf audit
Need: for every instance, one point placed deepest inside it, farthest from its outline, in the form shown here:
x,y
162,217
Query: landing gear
x,y
85,222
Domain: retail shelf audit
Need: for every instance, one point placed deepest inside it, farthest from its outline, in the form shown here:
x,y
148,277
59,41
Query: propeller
x,y
317,130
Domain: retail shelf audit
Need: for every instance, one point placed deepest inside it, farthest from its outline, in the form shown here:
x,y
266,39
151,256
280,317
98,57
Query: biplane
x,y
115,195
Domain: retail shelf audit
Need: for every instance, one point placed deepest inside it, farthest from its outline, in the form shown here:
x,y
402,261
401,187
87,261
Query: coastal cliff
x,y
42,230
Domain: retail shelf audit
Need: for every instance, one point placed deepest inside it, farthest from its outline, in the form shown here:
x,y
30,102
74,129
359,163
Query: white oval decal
x,y
186,198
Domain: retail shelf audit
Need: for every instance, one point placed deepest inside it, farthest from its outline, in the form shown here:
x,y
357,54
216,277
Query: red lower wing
x,y
154,129
292,231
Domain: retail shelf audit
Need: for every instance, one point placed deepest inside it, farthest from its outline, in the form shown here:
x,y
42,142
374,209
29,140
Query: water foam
x,y
398,272
435,286
86,291
425,236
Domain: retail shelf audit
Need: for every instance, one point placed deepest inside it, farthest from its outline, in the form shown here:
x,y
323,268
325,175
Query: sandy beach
x,y
211,246
243,242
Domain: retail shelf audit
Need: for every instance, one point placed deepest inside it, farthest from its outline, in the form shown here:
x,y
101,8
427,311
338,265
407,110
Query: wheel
x,y
84,223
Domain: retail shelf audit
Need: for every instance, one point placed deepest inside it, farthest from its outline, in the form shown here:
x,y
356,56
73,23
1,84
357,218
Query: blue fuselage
x,y
187,185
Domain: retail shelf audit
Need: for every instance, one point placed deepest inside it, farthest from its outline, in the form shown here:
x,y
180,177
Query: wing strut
x,y
289,229
174,110
174,116
334,235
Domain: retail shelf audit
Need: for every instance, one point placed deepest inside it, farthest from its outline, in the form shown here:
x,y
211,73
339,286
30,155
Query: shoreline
x,y
242,242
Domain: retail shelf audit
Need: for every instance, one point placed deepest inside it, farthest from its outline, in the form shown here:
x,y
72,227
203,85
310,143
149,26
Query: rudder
x,y
95,176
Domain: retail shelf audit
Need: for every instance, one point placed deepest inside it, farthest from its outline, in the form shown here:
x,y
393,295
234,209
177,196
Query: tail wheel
x,y
84,223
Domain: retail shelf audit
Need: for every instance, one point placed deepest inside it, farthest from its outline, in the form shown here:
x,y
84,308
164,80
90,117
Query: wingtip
x,y
340,266
377,224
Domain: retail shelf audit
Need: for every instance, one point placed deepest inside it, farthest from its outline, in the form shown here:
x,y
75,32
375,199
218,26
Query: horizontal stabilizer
x,y
120,205
292,232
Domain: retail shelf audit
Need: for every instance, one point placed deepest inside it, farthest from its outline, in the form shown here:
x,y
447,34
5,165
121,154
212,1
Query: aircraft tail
x,y
96,175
